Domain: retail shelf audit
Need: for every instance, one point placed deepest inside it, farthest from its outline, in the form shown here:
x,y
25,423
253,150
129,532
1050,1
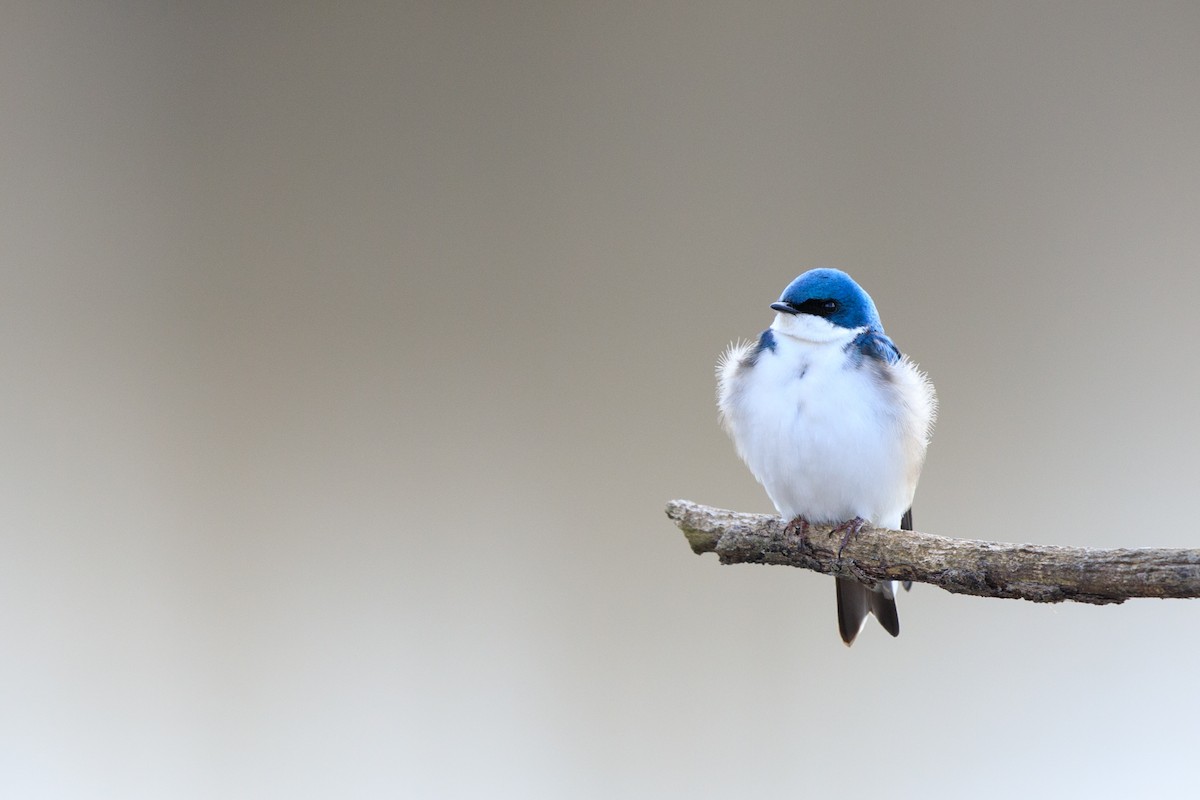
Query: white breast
x,y
827,438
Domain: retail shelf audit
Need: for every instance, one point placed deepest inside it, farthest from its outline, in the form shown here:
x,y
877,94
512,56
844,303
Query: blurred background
x,y
352,351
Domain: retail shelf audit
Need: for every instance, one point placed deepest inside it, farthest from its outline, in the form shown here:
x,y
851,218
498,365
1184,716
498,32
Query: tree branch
x,y
1041,573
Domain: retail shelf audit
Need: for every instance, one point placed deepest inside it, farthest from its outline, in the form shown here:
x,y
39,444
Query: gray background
x,y
351,352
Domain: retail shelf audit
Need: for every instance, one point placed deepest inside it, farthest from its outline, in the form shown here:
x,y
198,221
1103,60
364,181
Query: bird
x,y
833,421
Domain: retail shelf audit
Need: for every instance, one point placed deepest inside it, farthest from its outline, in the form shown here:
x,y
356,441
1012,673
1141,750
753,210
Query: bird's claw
x,y
848,529
797,528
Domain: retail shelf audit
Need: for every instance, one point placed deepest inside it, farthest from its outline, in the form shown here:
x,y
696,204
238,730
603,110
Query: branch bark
x,y
1041,573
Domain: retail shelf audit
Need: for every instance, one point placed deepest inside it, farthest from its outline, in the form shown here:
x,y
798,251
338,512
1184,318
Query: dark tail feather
x,y
855,601
883,606
852,606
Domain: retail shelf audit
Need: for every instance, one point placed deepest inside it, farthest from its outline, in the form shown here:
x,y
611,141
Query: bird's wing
x,y
875,344
906,525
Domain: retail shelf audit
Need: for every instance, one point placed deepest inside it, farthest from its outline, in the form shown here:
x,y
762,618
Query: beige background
x,y
351,352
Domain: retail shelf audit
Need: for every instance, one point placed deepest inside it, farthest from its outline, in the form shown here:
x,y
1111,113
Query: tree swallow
x,y
832,420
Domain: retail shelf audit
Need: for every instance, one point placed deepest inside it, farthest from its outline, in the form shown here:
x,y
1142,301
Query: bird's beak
x,y
784,308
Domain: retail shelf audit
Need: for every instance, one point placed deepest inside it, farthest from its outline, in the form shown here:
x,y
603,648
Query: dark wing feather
x,y
906,525
875,344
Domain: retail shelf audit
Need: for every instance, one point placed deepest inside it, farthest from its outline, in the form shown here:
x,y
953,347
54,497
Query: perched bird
x,y
832,420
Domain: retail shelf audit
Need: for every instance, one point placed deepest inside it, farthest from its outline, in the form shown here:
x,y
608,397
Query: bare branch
x,y
1041,573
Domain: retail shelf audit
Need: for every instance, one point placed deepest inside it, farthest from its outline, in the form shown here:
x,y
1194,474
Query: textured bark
x,y
1041,573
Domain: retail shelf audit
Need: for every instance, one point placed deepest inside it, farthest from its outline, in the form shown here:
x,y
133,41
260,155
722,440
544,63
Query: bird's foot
x,y
798,529
848,529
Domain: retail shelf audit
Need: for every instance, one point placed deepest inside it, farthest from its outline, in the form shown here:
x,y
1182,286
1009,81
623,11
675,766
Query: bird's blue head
x,y
832,295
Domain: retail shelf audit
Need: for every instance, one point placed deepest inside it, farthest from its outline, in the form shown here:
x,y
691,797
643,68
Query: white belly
x,y
827,440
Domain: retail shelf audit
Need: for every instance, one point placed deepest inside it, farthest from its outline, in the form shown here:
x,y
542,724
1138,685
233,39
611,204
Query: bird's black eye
x,y
819,307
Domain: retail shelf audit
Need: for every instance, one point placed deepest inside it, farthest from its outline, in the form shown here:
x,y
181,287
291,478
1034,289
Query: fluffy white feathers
x,y
829,436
